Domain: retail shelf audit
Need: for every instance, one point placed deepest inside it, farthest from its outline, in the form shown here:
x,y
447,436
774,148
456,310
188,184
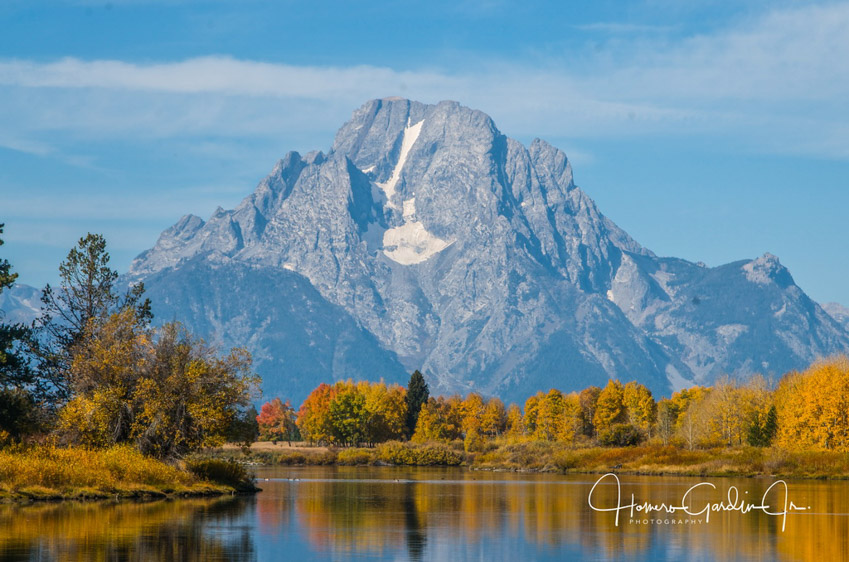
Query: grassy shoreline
x,y
536,456
44,473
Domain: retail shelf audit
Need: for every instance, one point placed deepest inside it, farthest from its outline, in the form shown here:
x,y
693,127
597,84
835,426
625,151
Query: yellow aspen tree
x,y
494,418
472,410
532,405
550,419
610,408
573,419
515,423
640,406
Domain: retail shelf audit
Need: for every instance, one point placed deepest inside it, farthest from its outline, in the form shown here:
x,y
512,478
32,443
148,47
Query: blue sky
x,y
709,130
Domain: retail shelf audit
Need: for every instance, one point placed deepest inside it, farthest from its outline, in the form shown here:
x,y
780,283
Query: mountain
x,y
425,238
20,305
838,312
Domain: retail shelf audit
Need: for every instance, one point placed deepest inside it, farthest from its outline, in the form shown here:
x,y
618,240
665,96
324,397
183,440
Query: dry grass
x,y
46,472
541,456
660,459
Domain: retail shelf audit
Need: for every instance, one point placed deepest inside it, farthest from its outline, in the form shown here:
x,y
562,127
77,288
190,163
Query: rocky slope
x,y
425,238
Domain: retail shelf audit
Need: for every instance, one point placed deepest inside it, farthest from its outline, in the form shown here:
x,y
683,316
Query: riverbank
x,y
540,456
44,473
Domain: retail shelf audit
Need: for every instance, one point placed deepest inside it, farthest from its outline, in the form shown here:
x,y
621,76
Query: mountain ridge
x,y
436,242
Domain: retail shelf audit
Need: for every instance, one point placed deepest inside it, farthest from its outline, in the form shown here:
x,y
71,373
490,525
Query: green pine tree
x,y
417,394
770,427
17,404
87,292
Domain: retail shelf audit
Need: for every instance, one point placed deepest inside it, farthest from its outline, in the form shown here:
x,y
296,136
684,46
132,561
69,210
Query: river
x,y
379,513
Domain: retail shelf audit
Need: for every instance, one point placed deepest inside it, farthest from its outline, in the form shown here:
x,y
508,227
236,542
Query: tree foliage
x,y
86,295
441,419
163,390
812,407
276,421
349,413
18,390
417,394
610,407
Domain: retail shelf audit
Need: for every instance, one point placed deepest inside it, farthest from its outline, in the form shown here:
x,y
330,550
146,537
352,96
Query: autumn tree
x,y
417,394
550,416
494,418
640,406
163,390
472,409
573,425
347,413
531,416
515,425
314,420
276,421
812,407
667,416
385,414
86,294
692,420
440,419
610,407
588,399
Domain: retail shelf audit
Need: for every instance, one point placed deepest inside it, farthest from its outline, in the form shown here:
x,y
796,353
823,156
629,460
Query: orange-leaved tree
x,y
277,421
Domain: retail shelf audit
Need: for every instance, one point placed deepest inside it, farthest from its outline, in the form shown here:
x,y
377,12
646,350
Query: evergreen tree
x,y
86,294
17,406
754,436
770,427
417,394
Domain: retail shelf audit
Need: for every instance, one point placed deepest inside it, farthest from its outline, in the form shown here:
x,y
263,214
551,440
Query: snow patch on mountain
x,y
411,243
411,134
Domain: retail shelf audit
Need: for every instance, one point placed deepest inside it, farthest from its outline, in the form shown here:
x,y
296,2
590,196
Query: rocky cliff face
x,y
427,239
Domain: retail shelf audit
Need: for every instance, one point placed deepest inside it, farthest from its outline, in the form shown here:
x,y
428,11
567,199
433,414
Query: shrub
x,y
474,442
291,457
620,435
355,457
435,454
228,473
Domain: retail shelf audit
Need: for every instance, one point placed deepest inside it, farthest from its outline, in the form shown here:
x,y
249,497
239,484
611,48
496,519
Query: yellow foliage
x,y
610,408
813,407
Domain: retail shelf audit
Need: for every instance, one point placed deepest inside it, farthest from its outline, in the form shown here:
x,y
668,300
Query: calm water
x,y
344,513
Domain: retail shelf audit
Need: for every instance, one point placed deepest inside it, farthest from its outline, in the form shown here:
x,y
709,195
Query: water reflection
x,y
380,513
188,529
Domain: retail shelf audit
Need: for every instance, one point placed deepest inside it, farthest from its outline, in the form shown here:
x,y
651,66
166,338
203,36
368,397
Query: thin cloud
x,y
778,83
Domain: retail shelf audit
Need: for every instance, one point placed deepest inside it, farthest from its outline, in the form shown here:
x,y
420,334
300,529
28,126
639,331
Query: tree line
x,y
93,371
807,410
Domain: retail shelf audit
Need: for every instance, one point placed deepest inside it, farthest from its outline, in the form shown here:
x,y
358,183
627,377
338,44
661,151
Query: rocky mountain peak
x,y
768,269
432,240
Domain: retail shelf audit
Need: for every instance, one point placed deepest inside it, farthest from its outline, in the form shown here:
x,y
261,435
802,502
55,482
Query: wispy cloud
x,y
777,83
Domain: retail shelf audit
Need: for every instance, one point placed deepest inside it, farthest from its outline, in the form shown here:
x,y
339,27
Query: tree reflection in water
x,y
383,513
189,529
416,535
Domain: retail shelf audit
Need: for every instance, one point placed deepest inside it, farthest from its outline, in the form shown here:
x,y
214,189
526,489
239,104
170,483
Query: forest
x,y
805,411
